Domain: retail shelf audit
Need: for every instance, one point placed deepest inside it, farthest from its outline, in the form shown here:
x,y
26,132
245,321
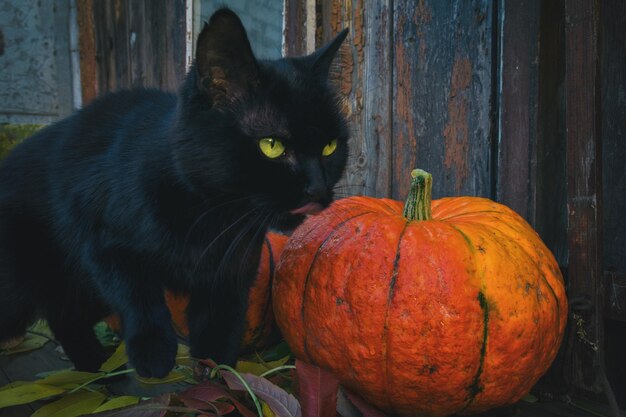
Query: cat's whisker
x,y
233,245
204,252
261,227
226,260
206,213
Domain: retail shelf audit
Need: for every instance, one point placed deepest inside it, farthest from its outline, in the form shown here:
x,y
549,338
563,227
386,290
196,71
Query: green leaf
x,y
26,393
183,356
41,327
106,336
173,376
276,352
267,411
14,384
69,377
31,342
117,402
72,405
257,369
529,398
116,360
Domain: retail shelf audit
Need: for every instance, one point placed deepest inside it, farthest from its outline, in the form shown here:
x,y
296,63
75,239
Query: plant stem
x,y
417,205
103,375
243,382
278,369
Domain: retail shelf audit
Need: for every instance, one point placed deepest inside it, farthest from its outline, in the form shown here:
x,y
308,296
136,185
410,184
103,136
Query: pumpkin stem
x,y
417,205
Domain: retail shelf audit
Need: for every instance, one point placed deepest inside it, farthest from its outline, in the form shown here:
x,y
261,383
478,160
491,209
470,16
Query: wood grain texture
x,y
87,47
519,34
362,74
613,69
441,95
550,188
138,43
294,30
417,84
584,188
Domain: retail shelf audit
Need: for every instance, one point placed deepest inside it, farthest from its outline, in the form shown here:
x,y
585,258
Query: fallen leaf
x,y
277,352
360,404
31,342
202,394
173,376
117,402
69,377
71,405
199,396
267,411
256,368
281,403
155,407
41,326
14,384
106,336
116,360
26,393
182,355
317,390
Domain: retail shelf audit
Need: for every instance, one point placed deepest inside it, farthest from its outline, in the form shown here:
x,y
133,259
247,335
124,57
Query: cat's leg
x,y
16,314
216,323
151,342
78,339
17,303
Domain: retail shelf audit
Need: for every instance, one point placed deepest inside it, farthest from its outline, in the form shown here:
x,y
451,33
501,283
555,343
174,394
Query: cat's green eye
x,y
330,148
272,148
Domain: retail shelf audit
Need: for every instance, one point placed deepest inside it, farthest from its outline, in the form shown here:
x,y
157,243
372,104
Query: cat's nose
x,y
316,193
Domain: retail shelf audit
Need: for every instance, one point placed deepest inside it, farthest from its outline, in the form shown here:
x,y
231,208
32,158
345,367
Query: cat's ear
x,y
224,60
321,59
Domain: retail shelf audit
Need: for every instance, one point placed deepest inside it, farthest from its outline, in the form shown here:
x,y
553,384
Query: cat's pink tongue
x,y
309,208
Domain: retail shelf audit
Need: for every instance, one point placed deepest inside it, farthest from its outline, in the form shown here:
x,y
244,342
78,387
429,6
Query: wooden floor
x,y
26,366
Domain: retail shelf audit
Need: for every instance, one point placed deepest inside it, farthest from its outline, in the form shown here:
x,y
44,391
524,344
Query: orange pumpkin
x,y
259,317
421,316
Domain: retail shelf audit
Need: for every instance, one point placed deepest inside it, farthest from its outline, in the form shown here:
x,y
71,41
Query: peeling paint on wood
x,y
87,48
456,130
138,43
442,95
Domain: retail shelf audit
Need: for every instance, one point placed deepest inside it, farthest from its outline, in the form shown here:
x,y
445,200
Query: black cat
x,y
145,190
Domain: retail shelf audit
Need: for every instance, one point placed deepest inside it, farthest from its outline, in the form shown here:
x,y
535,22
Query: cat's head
x,y
270,130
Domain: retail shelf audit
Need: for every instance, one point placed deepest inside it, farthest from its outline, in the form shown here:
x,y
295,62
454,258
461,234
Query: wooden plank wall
x,y
419,93
131,43
613,87
475,92
584,189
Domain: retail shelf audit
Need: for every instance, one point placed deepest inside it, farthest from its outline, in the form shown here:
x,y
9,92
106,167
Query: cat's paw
x,y
152,353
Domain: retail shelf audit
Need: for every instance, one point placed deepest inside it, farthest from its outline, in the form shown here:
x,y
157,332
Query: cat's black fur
x,y
145,190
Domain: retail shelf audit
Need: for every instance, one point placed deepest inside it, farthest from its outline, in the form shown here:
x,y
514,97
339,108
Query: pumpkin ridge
x,y
475,388
391,208
385,340
541,274
308,275
469,212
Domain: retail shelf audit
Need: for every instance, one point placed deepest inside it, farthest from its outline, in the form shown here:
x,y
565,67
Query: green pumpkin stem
x,y
417,205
